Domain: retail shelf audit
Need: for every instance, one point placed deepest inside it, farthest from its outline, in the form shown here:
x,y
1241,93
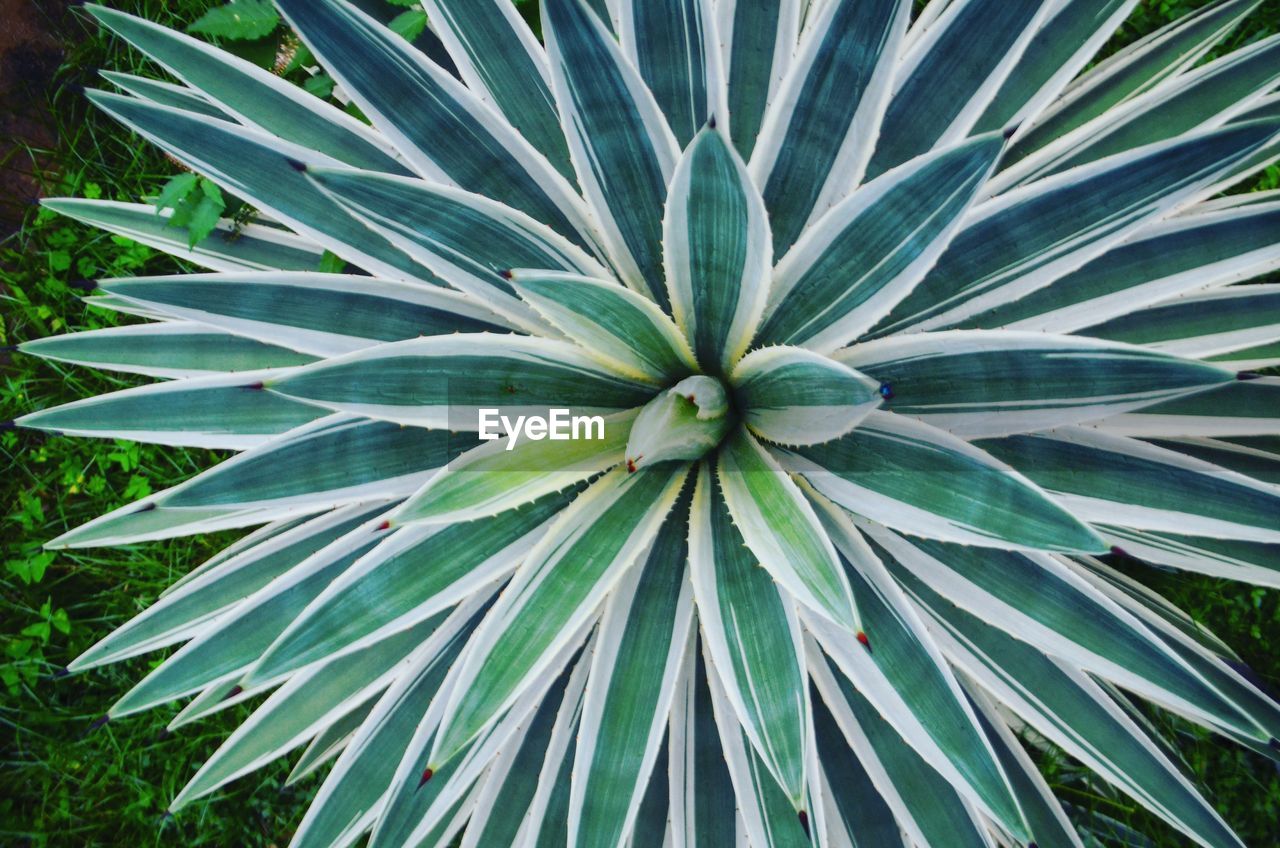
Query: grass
x,y
62,784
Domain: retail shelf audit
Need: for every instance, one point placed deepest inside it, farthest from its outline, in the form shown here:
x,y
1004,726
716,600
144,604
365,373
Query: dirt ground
x,y
30,55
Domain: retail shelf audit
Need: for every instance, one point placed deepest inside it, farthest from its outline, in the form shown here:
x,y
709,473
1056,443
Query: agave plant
x,y
889,328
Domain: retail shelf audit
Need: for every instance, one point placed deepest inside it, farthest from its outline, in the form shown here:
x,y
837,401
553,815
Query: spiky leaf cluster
x,y
894,327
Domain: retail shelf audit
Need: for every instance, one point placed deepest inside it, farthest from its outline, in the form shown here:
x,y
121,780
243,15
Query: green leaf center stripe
x,y
210,412
815,141
976,382
793,396
1076,714
1164,260
922,480
620,327
255,95
444,381
622,148
335,461
259,168
752,634
411,575
1060,49
639,655
558,589
448,134
1124,481
479,35
718,251
951,73
782,530
1114,645
1025,239
670,42
1204,97
229,247
1160,55
175,349
331,314
759,38
864,256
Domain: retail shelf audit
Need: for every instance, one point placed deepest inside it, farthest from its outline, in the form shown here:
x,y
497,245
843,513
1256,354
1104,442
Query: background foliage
x,y
62,784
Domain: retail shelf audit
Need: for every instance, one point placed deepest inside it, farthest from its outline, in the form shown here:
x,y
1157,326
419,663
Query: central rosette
x,y
685,422
785,395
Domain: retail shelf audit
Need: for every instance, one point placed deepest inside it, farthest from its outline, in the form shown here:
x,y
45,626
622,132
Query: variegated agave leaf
x,y
892,328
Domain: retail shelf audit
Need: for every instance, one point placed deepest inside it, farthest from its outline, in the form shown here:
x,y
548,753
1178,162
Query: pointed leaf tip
x,y
1249,375
427,774
98,722
300,167
804,823
864,641
235,690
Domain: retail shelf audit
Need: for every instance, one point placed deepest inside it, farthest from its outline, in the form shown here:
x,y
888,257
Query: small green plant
x,y
893,328
197,206
239,20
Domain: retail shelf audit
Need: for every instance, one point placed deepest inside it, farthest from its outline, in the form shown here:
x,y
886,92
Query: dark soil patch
x,y
32,36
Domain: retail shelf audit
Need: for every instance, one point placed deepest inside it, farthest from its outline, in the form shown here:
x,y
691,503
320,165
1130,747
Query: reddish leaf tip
x,y
804,822
864,641
386,525
235,690
426,775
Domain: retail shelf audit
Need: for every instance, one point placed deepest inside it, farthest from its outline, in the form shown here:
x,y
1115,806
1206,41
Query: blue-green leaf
x,y
818,133
717,251
622,149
